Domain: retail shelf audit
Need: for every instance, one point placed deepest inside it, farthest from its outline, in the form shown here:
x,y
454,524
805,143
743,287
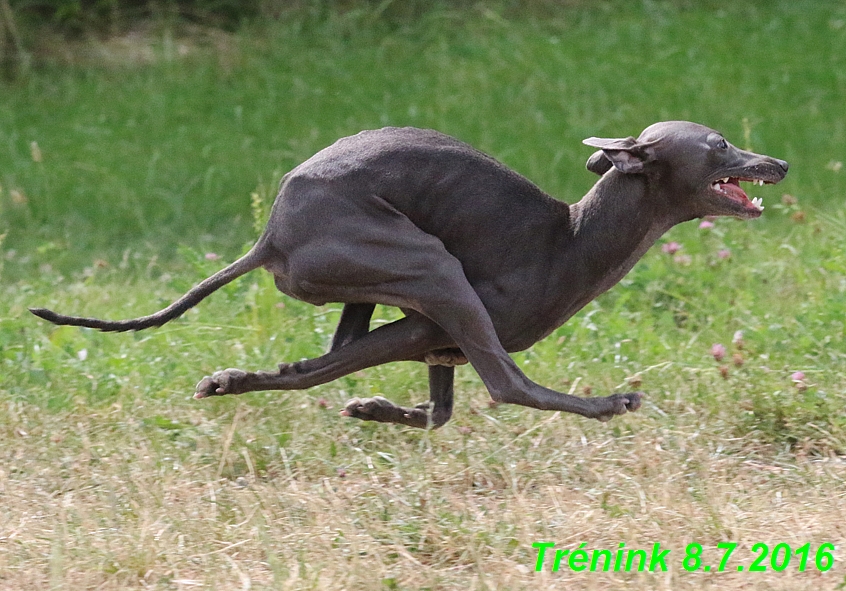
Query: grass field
x,y
126,163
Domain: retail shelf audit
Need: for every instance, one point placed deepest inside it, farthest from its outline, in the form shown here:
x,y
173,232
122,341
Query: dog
x,y
479,259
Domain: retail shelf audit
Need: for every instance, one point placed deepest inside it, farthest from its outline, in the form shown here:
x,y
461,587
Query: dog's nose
x,y
784,165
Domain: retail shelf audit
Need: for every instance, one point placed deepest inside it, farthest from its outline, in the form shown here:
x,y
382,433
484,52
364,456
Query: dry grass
x,y
100,500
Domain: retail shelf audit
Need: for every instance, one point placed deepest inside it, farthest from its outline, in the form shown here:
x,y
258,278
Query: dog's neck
x,y
615,224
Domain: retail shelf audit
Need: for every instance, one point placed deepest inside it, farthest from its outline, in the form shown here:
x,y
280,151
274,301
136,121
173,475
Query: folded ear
x,y
626,154
598,163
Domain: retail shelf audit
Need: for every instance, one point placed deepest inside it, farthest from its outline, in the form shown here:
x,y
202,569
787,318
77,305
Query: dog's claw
x,y
219,383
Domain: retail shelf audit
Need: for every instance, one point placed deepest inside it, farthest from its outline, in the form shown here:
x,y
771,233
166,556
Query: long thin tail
x,y
252,260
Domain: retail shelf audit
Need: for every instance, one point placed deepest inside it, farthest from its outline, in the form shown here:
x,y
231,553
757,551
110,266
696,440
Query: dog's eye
x,y
722,144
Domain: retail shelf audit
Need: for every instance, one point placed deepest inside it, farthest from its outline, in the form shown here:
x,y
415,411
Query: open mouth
x,y
730,187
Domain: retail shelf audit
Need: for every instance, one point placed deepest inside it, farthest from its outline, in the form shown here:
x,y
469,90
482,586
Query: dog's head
x,y
692,165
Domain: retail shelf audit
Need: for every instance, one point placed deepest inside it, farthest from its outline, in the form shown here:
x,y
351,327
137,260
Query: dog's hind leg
x,y
354,348
407,339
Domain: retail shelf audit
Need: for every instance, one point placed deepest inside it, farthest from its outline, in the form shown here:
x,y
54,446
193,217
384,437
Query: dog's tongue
x,y
735,192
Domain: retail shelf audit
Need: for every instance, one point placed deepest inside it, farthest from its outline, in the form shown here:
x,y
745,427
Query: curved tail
x,y
252,260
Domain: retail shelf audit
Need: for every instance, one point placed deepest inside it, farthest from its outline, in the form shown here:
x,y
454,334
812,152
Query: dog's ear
x,y
626,154
598,163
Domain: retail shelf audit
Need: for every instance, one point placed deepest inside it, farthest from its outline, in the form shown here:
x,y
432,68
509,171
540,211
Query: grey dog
x,y
479,259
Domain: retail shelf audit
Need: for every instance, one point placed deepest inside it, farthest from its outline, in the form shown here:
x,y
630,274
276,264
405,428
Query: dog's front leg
x,y
458,310
601,408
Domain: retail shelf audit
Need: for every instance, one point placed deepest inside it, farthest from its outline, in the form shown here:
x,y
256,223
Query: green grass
x,y
136,153
149,149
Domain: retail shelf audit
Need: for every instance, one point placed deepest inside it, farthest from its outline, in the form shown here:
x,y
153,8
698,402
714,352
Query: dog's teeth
x,y
725,180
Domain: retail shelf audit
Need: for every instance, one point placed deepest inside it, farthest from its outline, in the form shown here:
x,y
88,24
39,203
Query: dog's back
x,y
476,206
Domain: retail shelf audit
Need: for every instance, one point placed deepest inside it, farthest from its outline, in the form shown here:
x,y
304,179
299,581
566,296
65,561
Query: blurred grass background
x,y
168,138
140,148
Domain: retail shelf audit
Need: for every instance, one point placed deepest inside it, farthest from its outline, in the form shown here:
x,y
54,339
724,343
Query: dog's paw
x,y
220,383
382,410
369,409
620,404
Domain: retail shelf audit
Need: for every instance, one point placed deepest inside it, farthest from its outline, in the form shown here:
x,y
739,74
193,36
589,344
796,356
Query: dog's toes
x,y
366,409
381,410
633,400
205,388
620,404
354,408
351,407
220,383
